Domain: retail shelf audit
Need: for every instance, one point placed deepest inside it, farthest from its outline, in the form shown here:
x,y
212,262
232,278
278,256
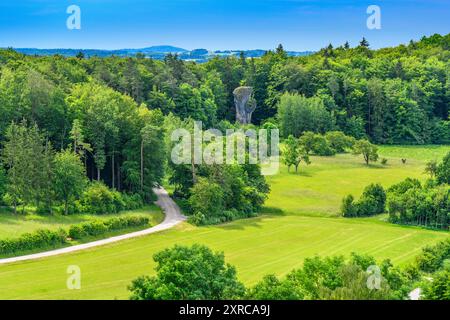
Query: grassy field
x,y
300,222
12,225
319,188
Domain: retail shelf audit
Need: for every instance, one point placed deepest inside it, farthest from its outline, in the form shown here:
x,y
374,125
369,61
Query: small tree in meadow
x,y
294,154
368,150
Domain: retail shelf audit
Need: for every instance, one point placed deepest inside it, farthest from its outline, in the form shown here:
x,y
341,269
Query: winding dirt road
x,y
173,216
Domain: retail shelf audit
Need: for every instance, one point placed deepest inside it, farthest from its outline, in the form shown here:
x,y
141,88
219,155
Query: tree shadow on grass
x,y
241,224
272,211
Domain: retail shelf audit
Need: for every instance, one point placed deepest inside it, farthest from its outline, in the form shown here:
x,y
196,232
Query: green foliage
x,y
28,158
99,227
188,273
368,150
411,203
326,145
443,170
297,114
3,184
294,153
339,141
322,147
29,241
348,207
432,257
42,239
431,168
334,278
272,288
226,192
372,202
69,178
97,198
207,197
439,287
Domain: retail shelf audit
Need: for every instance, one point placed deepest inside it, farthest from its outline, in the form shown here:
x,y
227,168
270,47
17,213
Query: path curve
x,y
173,216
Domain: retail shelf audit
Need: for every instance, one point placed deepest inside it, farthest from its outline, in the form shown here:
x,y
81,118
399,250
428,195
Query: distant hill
x,y
154,52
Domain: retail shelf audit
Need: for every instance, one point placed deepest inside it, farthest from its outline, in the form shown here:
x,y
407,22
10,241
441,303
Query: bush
x,y
384,161
206,197
98,227
99,199
372,202
439,287
321,147
35,240
348,207
316,143
405,185
432,257
339,141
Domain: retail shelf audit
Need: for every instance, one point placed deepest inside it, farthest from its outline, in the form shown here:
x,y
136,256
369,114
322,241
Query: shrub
x,y
31,241
99,199
432,257
439,287
384,161
372,202
98,227
348,208
405,185
321,147
207,197
339,141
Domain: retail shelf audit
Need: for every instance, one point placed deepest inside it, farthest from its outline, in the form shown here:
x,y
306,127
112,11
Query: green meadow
x,y
301,219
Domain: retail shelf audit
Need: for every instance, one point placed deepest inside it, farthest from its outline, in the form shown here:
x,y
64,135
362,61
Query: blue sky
x,y
217,24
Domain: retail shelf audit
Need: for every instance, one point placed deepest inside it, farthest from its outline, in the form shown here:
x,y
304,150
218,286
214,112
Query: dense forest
x,y
113,112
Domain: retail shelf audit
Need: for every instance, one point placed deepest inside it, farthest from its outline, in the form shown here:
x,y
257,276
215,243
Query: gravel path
x,y
173,216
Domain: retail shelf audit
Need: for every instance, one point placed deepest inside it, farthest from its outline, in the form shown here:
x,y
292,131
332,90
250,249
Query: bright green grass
x,y
319,188
423,153
274,243
270,244
12,225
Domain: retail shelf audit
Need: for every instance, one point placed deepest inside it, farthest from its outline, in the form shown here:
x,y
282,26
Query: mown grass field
x,y
301,221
